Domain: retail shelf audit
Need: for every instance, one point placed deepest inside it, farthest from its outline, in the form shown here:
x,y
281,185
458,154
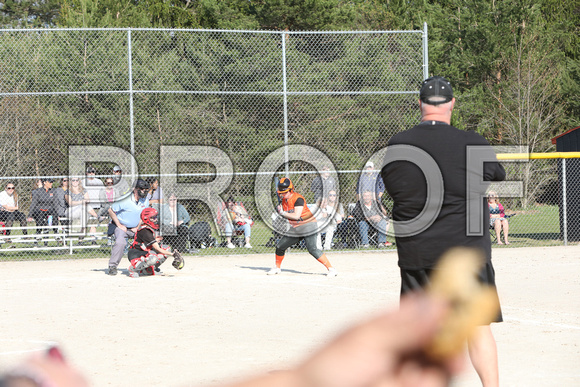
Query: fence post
x,y
285,91
131,118
425,52
564,220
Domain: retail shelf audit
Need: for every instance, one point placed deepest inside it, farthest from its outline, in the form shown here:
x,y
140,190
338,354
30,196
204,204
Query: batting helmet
x,y
149,216
285,185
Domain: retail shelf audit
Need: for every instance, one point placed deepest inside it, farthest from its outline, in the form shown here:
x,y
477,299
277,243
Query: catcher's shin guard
x,y
138,265
145,265
160,259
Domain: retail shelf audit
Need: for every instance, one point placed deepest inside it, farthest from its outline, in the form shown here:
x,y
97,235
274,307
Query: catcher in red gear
x,y
146,254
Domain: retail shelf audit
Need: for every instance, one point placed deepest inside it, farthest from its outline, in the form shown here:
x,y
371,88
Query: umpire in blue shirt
x,y
125,216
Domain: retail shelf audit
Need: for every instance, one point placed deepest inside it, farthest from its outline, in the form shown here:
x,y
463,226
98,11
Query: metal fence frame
x,y
284,92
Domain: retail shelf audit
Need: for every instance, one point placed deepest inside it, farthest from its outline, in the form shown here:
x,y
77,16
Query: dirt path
x,y
222,317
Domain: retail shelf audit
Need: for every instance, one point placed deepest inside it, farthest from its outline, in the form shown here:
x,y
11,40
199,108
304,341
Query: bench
x,y
56,237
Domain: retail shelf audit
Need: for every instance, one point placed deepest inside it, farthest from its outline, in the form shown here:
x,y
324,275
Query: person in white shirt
x,y
9,211
333,210
93,186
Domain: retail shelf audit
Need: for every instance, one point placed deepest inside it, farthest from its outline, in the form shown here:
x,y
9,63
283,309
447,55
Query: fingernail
x,y
55,353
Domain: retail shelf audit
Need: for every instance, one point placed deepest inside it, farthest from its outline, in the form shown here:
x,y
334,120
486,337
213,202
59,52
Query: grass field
x,y
534,226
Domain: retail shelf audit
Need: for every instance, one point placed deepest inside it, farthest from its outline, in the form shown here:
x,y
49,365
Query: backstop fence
x,y
248,95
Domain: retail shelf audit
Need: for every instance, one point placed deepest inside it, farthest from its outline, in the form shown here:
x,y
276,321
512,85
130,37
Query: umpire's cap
x,y
285,185
435,91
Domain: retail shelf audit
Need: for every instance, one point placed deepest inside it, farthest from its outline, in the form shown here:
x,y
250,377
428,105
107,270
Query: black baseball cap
x,y
142,184
47,179
435,91
91,170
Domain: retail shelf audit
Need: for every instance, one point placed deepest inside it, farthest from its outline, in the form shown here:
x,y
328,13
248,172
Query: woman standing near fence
x,y
497,218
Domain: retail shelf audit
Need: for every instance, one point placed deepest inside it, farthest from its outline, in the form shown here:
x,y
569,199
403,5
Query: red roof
x,y
571,130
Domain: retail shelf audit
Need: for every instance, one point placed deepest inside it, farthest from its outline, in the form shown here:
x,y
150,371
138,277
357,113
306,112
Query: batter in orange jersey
x,y
304,226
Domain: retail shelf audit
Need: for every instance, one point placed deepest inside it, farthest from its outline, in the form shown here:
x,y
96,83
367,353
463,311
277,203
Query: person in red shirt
x,y
303,226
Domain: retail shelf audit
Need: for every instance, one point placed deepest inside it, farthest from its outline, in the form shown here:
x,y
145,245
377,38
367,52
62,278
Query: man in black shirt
x,y
457,189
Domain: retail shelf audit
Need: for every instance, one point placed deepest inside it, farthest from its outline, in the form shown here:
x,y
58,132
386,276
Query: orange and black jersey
x,y
297,200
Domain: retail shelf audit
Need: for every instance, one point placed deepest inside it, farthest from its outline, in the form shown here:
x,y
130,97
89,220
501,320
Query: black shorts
x,y
412,280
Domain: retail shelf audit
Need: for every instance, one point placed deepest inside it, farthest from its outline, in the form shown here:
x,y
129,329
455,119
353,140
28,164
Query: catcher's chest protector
x,y
143,246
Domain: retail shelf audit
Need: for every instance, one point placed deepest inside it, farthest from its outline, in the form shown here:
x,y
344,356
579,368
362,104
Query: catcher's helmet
x,y
285,185
149,216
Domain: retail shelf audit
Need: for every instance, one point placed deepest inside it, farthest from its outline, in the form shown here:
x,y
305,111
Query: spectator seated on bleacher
x,y
332,214
107,197
42,207
60,203
93,186
370,214
9,211
174,224
78,201
497,218
233,219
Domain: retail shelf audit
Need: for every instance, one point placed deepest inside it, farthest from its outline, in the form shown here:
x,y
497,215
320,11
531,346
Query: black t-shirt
x,y
406,184
144,239
42,199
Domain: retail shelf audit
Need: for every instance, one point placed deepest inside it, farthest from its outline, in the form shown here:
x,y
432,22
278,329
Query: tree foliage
x,y
515,66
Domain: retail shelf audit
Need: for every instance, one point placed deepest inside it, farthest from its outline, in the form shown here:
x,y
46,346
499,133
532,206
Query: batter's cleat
x,y
248,246
274,270
332,272
230,246
112,270
133,273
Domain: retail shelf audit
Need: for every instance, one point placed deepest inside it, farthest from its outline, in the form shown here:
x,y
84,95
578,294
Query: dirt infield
x,y
223,317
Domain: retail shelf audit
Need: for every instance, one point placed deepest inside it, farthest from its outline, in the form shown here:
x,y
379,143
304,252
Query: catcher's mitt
x,y
178,261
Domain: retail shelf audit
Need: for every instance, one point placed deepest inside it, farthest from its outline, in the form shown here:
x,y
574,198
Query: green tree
x,y
227,15
28,13
564,20
526,106
128,13
302,15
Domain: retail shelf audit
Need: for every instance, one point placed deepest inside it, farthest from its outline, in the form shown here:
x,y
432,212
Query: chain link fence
x,y
247,94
